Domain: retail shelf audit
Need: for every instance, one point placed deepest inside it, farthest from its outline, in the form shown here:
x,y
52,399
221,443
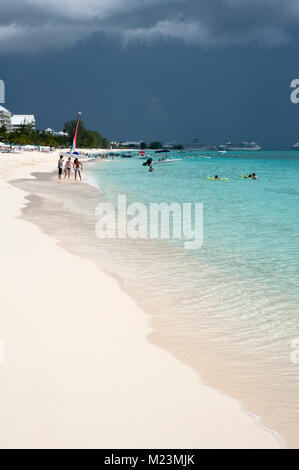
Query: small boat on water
x,y
126,156
168,160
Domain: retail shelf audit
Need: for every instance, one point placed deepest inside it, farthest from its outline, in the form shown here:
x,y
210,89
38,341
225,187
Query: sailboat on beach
x,y
73,152
74,145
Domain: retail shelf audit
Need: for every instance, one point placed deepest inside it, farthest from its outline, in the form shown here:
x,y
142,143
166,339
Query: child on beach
x,y
68,167
60,167
78,168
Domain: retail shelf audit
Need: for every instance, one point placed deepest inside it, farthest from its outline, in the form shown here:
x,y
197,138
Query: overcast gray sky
x,y
216,70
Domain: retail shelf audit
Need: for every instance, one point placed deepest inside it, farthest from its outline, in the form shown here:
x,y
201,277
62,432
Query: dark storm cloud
x,y
28,25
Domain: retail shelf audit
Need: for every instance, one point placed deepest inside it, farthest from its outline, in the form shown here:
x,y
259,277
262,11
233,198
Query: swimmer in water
x,y
151,169
254,177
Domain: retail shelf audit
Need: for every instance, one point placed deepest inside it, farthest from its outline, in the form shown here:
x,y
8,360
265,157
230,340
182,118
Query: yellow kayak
x,y
217,179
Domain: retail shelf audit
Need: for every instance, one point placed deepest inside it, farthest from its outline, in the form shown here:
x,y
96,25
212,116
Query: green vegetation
x,y
143,146
86,138
31,137
155,145
28,136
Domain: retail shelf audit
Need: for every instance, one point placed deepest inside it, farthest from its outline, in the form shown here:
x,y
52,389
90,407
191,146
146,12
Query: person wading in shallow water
x,y
78,168
60,167
148,162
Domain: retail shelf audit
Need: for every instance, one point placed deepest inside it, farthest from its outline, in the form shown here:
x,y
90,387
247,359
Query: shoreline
x,y
153,338
177,409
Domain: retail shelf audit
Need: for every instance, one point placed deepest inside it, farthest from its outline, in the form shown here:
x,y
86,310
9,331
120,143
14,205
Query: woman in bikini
x,y
68,167
78,168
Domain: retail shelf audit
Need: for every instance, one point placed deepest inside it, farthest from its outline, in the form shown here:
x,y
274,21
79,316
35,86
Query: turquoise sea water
x,y
230,309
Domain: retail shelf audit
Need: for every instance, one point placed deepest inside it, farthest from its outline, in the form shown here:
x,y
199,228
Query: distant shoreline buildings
x,y
19,120
5,119
196,145
55,133
14,122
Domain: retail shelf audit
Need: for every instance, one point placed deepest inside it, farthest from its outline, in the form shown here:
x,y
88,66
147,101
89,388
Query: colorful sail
x,y
76,134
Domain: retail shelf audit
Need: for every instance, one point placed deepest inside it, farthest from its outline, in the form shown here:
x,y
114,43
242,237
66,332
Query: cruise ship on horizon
x,y
243,146
296,146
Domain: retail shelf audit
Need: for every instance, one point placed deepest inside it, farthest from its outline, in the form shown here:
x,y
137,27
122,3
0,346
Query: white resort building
x,y
52,132
5,119
19,120
14,122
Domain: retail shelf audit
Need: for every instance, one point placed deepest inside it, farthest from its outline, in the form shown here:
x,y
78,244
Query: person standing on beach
x,y
78,168
68,167
60,167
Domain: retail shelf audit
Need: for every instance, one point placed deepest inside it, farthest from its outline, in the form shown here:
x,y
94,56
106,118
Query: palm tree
x,y
28,128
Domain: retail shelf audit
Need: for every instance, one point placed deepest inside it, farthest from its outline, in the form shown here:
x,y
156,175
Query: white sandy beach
x,y
78,370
